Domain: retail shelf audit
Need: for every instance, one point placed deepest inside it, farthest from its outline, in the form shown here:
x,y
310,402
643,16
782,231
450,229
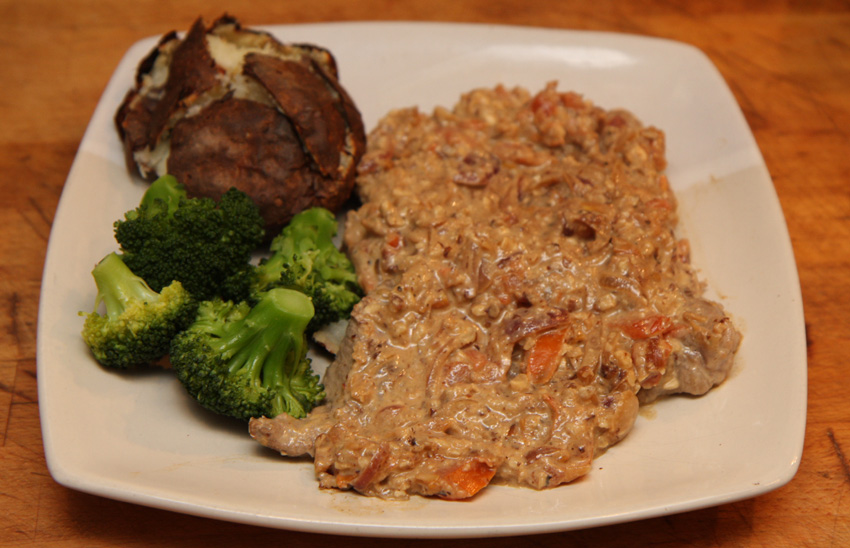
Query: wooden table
x,y
788,64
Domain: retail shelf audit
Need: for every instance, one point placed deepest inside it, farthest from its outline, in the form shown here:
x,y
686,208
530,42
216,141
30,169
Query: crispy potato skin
x,y
308,101
293,145
234,142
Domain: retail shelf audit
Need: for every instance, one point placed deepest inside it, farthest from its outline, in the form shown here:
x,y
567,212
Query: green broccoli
x,y
162,196
243,361
304,257
197,241
139,322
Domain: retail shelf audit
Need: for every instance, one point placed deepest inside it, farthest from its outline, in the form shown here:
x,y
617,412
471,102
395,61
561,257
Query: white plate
x,y
138,438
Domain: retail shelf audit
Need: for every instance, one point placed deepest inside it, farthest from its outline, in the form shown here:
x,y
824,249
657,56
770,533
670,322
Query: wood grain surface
x,y
788,64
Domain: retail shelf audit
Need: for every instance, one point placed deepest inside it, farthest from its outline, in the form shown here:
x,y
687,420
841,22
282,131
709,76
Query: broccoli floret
x,y
240,286
139,322
197,241
304,257
243,361
162,196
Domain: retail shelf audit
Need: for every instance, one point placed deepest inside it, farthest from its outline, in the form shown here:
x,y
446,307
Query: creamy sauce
x,y
526,291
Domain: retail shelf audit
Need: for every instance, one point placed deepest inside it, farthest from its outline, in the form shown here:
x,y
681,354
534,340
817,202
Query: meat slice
x,y
526,291
704,354
292,437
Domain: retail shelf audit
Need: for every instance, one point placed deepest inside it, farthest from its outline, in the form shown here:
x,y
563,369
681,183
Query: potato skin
x,y
309,103
279,127
234,142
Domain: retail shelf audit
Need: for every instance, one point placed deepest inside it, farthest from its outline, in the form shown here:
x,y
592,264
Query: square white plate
x,y
138,438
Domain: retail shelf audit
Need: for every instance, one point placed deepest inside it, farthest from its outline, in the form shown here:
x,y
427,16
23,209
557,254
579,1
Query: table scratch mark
x,y
40,210
846,467
838,451
14,392
14,301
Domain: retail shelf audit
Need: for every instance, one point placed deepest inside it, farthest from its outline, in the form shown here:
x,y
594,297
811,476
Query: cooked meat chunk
x,y
526,290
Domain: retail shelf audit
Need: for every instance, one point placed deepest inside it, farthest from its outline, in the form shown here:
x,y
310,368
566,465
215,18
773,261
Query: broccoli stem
x,y
291,306
117,286
268,272
268,345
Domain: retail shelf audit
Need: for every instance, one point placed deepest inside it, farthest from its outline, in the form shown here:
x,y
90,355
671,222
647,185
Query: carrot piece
x,y
343,481
468,478
542,360
647,327
660,203
394,240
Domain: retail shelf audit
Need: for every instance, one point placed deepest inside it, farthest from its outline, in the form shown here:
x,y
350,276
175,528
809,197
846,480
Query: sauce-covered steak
x,y
526,291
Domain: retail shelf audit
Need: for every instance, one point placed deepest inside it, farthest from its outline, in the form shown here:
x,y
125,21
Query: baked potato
x,y
225,106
